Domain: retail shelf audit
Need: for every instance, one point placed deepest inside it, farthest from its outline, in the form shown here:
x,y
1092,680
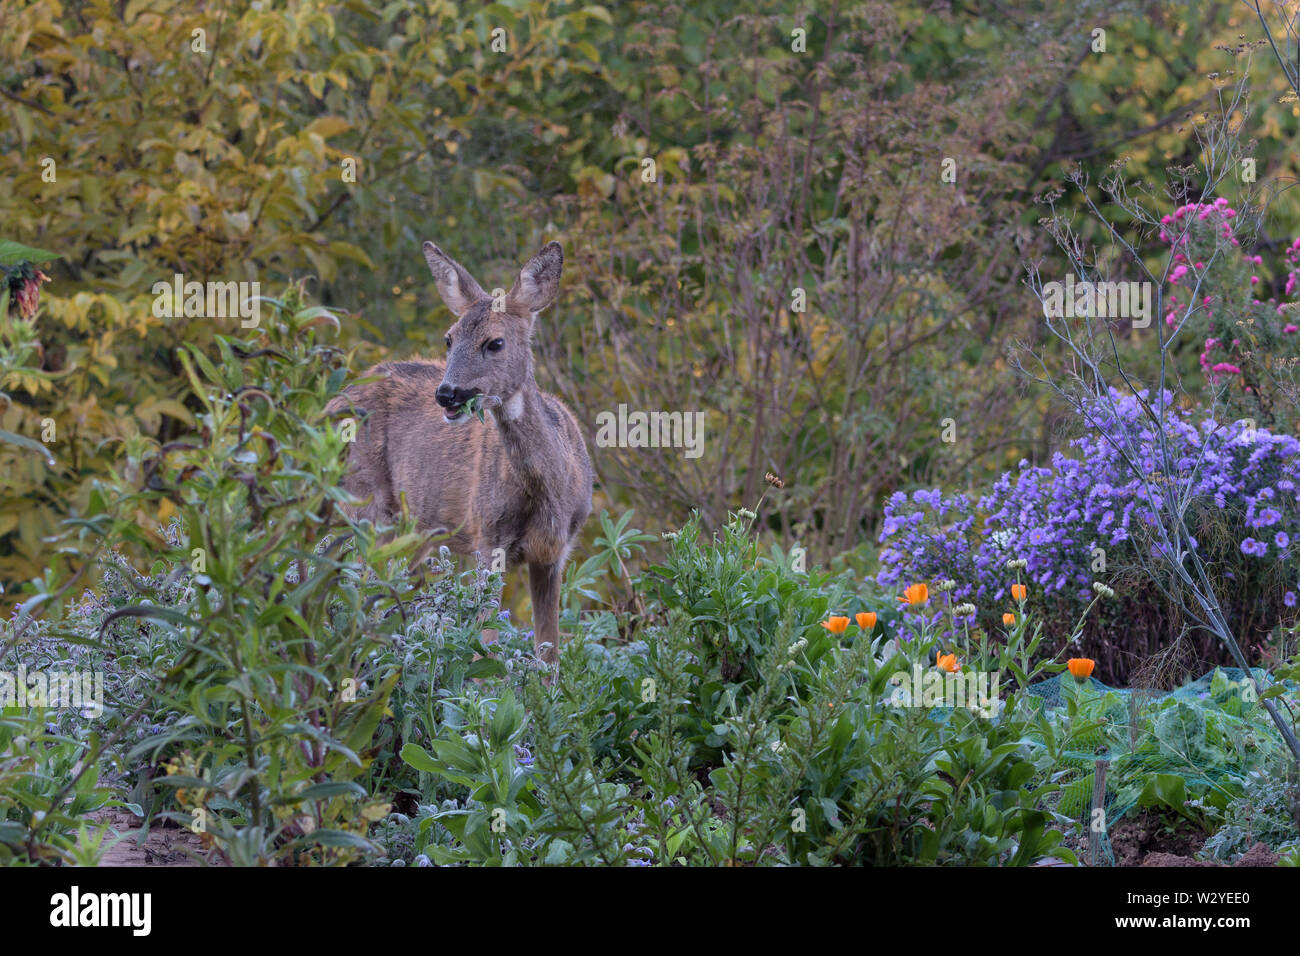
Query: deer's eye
x,y
447,340
496,345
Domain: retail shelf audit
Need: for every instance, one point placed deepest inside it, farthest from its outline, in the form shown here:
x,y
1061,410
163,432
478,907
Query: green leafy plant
x,y
263,678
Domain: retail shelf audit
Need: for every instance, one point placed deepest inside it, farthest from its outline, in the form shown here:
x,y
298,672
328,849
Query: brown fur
x,y
521,481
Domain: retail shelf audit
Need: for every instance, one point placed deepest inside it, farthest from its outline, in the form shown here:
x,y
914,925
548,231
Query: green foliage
x,y
1189,752
736,600
617,549
1266,811
477,752
639,753
221,146
41,819
648,753
797,269
257,627
249,144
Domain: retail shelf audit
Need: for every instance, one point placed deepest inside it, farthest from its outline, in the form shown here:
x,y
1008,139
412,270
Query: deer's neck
x,y
530,439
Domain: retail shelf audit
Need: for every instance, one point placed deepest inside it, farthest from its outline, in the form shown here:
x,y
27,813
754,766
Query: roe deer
x,y
521,482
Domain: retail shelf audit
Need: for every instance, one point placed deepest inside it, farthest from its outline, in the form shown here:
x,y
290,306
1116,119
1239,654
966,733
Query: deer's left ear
x,y
456,286
538,282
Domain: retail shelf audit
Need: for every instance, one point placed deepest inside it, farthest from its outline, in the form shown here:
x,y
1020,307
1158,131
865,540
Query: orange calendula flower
x,y
916,594
1081,667
866,620
836,624
1008,619
946,662
1019,592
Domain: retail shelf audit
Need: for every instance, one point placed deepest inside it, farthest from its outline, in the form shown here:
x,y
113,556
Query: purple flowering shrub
x,y
1087,518
1248,341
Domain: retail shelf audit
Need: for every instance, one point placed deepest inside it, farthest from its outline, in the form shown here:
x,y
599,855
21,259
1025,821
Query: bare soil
x,y
164,846
1154,839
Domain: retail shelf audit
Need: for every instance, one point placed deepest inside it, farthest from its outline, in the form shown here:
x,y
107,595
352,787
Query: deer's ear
x,y
539,280
456,286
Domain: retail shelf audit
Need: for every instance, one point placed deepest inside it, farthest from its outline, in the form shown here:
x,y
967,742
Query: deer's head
x,y
489,349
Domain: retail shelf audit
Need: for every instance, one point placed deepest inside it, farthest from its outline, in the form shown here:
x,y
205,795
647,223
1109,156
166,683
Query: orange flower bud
x,y
916,594
835,624
1081,667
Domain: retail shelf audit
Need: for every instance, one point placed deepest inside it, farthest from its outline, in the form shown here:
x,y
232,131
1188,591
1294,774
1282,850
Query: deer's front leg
x,y
544,583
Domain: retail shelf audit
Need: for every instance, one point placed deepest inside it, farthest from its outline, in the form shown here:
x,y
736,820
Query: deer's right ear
x,y
456,286
539,280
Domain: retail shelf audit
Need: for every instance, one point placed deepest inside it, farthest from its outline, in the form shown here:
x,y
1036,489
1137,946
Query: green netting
x,y
1161,748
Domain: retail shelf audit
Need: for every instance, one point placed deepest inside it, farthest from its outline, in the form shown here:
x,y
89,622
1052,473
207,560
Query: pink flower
x,y
1225,368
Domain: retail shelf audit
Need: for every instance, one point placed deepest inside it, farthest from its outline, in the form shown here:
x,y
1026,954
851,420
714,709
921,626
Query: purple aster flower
x,y
1054,517
1269,516
1252,547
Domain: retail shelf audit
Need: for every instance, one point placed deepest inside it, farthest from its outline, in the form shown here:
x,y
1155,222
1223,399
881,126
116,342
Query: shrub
x,y
40,811
1088,518
1267,811
1247,339
740,731
252,643
736,599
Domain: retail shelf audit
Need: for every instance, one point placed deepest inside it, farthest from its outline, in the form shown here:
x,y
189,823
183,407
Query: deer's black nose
x,y
448,396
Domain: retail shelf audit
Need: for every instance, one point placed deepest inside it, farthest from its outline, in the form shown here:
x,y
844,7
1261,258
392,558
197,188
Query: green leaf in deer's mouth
x,y
474,406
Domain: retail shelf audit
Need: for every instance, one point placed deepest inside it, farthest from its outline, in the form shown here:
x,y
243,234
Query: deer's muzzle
x,y
453,399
